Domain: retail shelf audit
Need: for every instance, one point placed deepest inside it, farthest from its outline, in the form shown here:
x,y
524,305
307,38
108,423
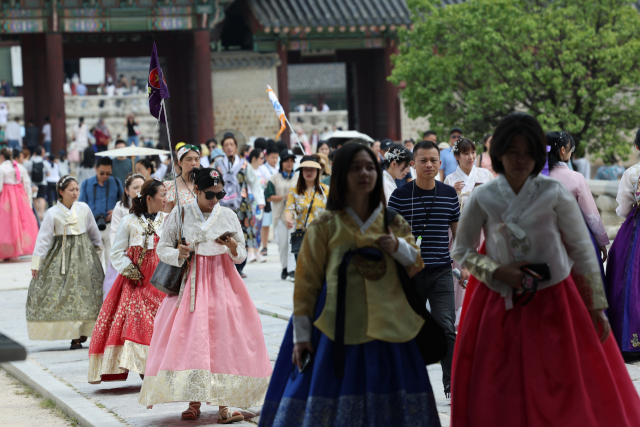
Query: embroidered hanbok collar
x,y
364,226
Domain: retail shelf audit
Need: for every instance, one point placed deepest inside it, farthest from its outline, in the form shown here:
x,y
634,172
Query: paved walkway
x,y
52,366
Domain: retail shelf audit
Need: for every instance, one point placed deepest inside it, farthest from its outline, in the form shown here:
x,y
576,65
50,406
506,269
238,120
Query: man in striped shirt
x,y
431,208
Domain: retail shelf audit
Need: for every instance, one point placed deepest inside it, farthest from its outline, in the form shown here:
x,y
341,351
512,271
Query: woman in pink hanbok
x,y
466,177
207,344
16,215
561,145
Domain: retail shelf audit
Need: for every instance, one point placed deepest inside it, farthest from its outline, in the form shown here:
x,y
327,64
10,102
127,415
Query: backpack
x,y
37,172
232,187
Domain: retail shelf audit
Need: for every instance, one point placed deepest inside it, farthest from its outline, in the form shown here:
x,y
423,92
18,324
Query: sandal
x,y
83,339
229,416
193,412
263,251
76,345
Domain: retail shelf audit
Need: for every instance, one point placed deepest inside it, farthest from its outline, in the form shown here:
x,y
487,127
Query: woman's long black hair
x,y
341,164
89,159
557,140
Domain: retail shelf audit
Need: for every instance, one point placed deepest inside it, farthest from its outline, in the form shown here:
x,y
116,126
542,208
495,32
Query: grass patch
x,y
27,392
47,404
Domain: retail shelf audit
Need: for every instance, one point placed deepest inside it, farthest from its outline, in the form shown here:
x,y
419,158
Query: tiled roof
x,y
291,13
317,78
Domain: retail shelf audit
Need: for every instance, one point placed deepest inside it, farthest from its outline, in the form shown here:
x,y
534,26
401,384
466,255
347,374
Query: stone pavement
x,y
52,366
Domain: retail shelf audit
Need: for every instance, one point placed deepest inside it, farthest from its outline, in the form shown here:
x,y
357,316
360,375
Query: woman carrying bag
x,y
306,201
207,344
349,355
122,334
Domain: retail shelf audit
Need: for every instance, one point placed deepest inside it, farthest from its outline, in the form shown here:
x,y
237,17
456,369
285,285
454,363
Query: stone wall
x,y
605,192
240,100
412,128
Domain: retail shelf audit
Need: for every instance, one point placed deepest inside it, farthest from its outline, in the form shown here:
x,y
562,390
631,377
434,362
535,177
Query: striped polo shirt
x,y
435,234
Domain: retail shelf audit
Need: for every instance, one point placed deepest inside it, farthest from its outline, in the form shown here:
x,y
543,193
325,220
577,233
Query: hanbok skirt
x,y
215,354
384,384
66,306
123,331
538,365
623,284
19,225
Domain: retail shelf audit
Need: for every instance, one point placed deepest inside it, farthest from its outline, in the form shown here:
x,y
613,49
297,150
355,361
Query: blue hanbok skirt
x,y
623,284
384,384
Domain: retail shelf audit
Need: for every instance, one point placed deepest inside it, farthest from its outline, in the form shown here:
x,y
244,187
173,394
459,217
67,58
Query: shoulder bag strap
x,y
309,211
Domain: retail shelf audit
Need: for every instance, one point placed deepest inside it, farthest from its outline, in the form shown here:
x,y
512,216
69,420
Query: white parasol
x,y
132,152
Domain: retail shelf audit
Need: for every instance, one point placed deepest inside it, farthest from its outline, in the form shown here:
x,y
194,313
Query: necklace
x,y
187,185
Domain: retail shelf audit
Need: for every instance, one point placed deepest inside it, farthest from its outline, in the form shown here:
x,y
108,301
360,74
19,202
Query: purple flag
x,y
157,86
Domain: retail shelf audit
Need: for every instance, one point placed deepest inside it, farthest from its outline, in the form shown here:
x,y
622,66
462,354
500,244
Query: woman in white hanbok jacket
x,y
65,293
466,177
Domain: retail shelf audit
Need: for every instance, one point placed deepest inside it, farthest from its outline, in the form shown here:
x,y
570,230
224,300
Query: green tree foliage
x,y
574,64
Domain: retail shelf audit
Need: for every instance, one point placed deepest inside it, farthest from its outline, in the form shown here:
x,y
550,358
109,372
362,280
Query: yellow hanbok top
x,y
376,306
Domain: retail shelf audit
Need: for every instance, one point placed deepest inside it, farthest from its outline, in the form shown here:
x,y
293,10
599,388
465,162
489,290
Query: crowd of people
x,y
501,240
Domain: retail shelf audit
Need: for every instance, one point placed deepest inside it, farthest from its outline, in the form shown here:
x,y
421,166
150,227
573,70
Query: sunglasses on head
x,y
210,195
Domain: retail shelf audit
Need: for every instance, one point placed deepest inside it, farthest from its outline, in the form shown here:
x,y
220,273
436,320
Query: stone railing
x,y
605,192
113,109
319,120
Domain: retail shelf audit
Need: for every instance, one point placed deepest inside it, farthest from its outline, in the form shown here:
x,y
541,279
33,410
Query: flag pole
x,y
163,109
304,153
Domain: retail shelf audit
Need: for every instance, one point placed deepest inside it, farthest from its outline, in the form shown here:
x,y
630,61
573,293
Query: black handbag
x,y
431,339
168,278
298,235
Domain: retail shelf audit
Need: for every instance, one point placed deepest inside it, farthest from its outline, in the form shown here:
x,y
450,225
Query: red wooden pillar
x,y
54,81
33,75
393,100
110,68
176,48
43,76
204,93
283,86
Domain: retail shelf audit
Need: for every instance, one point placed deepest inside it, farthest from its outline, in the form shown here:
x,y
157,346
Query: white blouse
x,y
201,233
476,176
8,176
541,224
131,232
627,191
388,184
118,213
58,219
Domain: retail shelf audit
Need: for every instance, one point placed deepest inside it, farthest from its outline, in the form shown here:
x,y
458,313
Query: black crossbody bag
x,y
298,235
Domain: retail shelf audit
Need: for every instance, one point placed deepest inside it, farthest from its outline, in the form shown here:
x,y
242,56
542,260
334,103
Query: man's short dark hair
x,y
119,141
425,145
104,161
260,143
430,132
272,149
518,124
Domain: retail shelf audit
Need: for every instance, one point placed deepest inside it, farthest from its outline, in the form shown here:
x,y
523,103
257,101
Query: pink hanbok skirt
x,y
215,354
20,228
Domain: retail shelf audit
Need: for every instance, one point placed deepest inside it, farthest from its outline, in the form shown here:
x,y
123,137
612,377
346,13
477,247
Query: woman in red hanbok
x,y
533,351
122,334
